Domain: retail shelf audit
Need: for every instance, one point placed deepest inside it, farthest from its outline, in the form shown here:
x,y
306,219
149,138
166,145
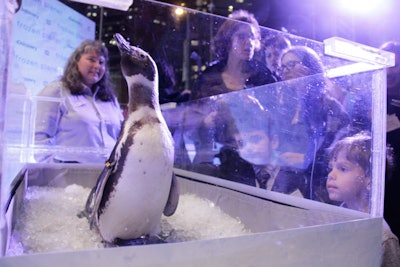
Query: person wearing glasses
x,y
310,121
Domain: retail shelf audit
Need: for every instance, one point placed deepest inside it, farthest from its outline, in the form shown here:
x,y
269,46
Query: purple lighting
x,y
364,7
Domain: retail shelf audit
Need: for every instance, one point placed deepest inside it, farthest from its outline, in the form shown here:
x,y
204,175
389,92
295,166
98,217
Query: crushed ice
x,y
48,222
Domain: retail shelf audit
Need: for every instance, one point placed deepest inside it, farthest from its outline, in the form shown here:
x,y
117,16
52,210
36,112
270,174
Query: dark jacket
x,y
210,81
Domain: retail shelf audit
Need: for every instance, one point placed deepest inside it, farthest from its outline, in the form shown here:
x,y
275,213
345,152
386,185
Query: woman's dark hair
x,y
310,59
222,40
72,78
314,97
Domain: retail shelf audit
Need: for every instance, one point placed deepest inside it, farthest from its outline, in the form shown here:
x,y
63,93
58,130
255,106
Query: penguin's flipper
x,y
89,206
173,197
94,199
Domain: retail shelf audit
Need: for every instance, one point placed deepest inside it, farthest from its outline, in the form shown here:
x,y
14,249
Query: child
x,y
349,182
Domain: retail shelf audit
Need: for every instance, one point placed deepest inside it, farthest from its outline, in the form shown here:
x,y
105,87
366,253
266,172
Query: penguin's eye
x,y
142,56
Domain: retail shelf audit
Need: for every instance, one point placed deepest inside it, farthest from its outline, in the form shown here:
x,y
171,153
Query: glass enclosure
x,y
276,136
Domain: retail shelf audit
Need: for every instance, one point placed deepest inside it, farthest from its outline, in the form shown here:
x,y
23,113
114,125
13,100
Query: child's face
x,y
347,181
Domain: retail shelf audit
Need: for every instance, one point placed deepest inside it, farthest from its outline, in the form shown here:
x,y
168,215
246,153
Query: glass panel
x,y
243,136
275,134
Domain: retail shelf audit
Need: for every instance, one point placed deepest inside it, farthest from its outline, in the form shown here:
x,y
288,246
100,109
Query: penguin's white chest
x,y
136,204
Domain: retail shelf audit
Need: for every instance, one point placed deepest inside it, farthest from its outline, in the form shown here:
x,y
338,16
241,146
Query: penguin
x,y
137,184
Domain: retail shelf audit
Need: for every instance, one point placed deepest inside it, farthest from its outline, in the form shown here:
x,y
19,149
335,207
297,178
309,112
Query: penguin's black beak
x,y
122,44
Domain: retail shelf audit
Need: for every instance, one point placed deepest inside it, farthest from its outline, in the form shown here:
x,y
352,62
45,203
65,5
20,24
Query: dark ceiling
x,y
314,19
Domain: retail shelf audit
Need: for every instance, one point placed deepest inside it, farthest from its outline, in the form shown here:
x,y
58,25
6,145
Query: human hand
x,y
209,120
291,159
186,92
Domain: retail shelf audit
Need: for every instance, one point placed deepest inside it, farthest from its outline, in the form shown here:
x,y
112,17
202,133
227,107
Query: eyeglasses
x,y
289,66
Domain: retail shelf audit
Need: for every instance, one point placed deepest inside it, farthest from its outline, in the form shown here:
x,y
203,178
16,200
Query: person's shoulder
x,y
209,81
214,67
390,247
387,232
53,89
